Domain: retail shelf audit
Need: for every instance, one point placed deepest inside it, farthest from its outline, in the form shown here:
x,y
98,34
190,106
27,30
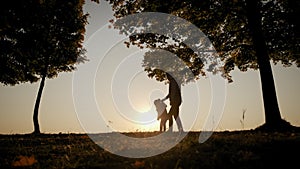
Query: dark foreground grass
x,y
232,150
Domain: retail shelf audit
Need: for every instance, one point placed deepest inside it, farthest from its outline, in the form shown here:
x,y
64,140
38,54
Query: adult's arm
x,y
168,96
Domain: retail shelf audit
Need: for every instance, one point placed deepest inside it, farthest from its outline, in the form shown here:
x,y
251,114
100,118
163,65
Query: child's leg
x,y
164,125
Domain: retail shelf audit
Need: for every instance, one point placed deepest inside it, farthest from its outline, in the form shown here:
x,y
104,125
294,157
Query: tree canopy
x,y
40,38
247,34
225,23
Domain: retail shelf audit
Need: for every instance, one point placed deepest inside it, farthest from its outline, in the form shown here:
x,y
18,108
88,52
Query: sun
x,y
149,122
139,103
147,118
143,108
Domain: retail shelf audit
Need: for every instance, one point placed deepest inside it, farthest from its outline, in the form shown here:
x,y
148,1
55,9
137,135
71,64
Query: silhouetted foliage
x,y
38,40
180,38
247,34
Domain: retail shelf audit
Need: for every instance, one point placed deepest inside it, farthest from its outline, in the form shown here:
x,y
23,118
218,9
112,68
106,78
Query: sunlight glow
x,y
141,105
147,121
151,125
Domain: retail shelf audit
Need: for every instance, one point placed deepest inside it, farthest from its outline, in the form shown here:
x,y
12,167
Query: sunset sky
x,y
111,92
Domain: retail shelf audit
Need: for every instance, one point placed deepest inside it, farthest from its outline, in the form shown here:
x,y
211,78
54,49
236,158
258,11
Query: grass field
x,y
232,150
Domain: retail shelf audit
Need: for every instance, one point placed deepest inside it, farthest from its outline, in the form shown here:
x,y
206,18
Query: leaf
x,y
24,161
139,164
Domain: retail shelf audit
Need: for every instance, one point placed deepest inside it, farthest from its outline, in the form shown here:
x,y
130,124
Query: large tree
x,y
247,34
38,40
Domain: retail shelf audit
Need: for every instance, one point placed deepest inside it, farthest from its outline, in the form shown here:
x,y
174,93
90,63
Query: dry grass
x,y
239,149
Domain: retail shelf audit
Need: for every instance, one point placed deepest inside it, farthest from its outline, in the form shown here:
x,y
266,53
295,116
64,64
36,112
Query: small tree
x,y
247,34
38,40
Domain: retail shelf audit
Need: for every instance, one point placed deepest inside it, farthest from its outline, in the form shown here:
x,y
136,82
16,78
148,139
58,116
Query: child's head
x,y
156,102
160,106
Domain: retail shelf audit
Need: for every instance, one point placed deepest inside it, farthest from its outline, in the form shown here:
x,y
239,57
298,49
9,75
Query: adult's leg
x,y
170,116
179,124
177,118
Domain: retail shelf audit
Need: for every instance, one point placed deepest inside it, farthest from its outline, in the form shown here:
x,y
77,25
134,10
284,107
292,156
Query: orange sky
x,y
123,95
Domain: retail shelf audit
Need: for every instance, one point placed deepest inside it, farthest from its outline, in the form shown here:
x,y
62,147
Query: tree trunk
x,y
271,108
37,105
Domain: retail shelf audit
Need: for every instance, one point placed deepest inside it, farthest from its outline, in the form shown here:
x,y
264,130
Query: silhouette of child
x,y
162,114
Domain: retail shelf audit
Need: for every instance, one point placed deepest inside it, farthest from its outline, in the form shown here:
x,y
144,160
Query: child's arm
x,y
158,116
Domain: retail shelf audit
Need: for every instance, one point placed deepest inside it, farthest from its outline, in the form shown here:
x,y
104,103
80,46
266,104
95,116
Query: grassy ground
x,y
234,150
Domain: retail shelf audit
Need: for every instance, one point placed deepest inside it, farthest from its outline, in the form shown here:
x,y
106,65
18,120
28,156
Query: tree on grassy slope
x,y
38,40
247,34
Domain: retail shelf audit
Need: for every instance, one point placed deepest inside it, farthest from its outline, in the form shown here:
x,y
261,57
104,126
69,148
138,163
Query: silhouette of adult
x,y
174,97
